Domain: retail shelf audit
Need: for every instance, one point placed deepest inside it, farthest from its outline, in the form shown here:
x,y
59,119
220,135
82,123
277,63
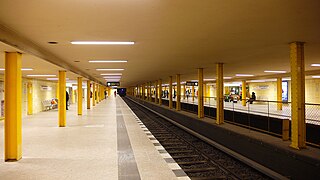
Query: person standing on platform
x,y
105,94
115,93
67,99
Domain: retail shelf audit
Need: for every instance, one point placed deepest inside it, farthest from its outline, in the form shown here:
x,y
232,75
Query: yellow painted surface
x,y
93,94
160,91
156,92
178,100
244,93
79,95
279,93
220,97
170,92
30,98
13,100
62,104
200,94
298,124
193,93
88,94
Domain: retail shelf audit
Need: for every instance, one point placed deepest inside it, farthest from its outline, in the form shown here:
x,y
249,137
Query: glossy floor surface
x,y
106,142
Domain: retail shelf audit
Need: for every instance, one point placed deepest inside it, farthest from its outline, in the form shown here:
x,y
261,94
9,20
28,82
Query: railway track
x,y
197,158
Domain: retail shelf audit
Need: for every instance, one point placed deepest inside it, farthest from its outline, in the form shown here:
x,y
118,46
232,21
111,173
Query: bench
x,y
47,104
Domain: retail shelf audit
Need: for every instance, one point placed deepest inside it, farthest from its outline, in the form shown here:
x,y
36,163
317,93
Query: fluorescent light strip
x,y
111,74
112,77
22,69
41,75
244,75
257,81
315,65
102,43
102,69
315,76
55,79
209,79
227,77
111,80
268,71
108,61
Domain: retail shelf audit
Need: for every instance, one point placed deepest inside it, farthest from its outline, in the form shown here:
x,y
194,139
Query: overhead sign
x,y
191,83
113,83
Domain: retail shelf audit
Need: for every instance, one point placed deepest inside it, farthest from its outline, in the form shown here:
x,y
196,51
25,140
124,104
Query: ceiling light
x,y
227,77
257,81
275,71
108,61
22,69
101,43
315,65
209,79
112,80
315,76
111,77
103,69
41,75
55,79
244,75
112,74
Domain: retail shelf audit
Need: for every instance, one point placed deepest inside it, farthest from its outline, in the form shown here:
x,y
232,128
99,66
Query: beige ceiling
x,y
172,36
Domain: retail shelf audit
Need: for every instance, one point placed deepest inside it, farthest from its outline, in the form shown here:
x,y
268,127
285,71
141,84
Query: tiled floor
x,y
88,148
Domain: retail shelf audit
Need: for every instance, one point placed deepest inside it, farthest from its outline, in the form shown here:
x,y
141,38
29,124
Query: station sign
x,y
191,83
113,83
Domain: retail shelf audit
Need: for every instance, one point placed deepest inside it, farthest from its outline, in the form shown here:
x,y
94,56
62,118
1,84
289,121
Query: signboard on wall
x,y
191,83
45,88
113,83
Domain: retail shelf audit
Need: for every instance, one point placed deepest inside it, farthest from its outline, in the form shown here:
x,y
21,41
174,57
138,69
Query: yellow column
x,y
204,92
12,99
88,94
97,93
160,92
178,102
57,87
93,94
200,94
220,98
156,92
143,91
244,93
62,104
170,92
30,98
73,97
298,122
79,95
279,93
184,91
192,93
149,92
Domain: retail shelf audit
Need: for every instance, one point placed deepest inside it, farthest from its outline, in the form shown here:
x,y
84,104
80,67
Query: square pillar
x,y
30,98
178,100
88,94
279,93
220,98
160,92
244,93
170,92
13,101
79,95
200,94
298,121
62,101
